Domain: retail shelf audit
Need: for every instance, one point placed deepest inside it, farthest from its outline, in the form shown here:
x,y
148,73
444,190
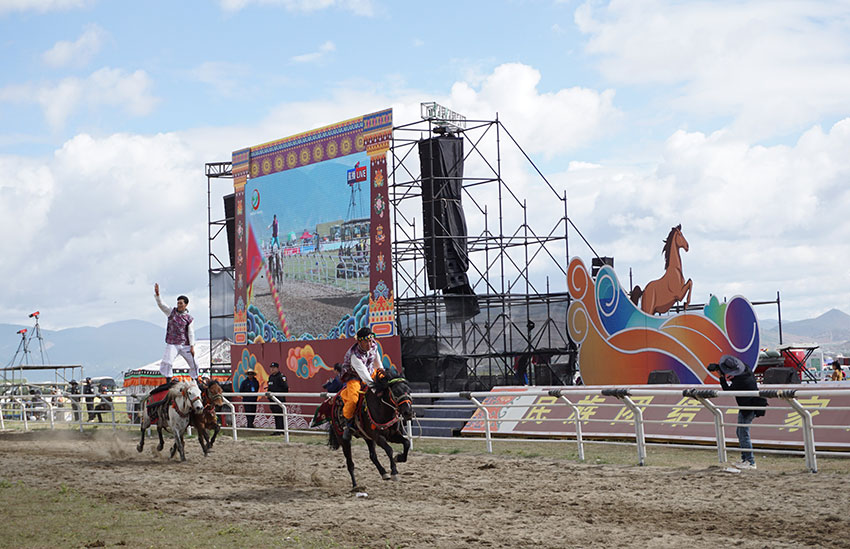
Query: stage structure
x,y
456,254
312,251
222,278
479,256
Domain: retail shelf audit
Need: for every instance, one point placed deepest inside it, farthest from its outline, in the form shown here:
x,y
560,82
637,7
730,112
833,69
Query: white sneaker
x,y
744,465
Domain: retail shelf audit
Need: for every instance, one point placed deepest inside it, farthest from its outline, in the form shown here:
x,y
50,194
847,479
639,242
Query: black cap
x,y
74,382
274,365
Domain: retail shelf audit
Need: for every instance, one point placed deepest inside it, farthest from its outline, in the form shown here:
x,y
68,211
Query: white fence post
x,y
640,439
808,432
285,415
577,414
23,413
49,411
232,416
486,419
702,395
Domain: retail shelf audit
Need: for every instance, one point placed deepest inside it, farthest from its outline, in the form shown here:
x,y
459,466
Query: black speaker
x,y
781,375
597,262
229,223
662,377
443,220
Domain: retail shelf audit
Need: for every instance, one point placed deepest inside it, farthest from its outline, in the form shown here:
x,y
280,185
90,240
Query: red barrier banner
x,y
667,417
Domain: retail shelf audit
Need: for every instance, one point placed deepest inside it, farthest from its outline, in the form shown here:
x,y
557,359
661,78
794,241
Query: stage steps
x,y
442,422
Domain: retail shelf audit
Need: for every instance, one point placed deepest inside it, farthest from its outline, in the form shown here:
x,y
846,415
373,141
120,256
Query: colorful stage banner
x,y
313,244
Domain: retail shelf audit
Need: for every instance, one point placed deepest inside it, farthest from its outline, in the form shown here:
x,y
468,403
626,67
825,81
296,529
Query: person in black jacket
x,y
277,384
74,389
250,385
736,376
88,389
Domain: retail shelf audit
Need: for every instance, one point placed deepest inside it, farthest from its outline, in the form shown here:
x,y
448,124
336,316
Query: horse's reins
x,y
185,393
393,404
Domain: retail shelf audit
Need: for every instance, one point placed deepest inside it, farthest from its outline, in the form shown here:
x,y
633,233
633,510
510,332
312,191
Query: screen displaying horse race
x,y
310,230
313,251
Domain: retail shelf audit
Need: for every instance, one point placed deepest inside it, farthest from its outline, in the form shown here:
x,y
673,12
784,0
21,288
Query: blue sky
x,y
730,118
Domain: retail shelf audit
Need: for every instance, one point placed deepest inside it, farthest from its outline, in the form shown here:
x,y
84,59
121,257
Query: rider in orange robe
x,y
359,366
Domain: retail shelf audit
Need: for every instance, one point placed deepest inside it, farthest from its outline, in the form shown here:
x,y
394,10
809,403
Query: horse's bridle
x,y
406,399
185,393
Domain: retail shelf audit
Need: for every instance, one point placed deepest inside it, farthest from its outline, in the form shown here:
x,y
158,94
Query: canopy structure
x,y
142,379
60,371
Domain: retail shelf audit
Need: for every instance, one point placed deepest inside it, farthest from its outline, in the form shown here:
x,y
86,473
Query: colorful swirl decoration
x,y
620,345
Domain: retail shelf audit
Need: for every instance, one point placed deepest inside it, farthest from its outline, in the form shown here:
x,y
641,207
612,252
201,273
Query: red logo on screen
x,y
255,199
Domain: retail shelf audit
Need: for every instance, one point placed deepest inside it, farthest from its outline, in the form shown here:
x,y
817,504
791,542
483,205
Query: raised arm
x,y
162,306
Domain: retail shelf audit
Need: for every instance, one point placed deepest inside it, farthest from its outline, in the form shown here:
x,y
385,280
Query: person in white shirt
x,y
179,336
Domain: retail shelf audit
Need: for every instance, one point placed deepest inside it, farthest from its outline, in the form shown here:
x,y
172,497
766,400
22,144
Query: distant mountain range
x,y
104,351
116,347
831,331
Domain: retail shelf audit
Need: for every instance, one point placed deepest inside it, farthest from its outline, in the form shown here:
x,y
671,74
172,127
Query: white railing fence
x,y
81,411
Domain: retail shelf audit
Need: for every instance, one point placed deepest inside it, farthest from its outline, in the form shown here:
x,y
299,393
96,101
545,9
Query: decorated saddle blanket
x,y
331,411
156,403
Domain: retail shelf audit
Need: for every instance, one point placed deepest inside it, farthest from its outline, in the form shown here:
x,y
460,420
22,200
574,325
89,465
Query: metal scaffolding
x,y
518,253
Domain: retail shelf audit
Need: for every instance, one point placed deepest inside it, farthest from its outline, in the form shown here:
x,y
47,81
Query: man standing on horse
x,y
358,368
179,336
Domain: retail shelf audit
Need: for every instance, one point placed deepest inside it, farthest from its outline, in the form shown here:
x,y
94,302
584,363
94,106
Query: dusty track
x,y
444,500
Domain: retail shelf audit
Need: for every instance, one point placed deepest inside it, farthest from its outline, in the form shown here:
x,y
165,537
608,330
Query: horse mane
x,y
668,245
178,388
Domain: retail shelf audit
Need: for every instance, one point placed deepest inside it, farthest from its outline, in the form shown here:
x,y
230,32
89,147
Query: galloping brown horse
x,y
660,295
206,420
378,421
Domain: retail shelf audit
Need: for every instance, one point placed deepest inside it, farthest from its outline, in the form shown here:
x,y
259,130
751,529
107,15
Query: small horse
x,y
377,421
173,415
660,295
207,420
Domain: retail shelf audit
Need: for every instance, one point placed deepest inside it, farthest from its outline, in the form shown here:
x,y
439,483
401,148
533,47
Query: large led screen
x,y
312,235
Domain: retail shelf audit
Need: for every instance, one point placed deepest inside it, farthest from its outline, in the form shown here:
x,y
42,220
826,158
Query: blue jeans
x,y
745,418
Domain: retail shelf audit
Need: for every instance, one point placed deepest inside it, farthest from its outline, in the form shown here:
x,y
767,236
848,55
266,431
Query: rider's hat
x,y
364,333
250,373
74,382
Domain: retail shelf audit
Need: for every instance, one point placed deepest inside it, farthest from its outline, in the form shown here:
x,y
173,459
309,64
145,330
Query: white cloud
x,y
225,78
772,67
104,87
312,57
41,5
100,220
543,122
98,224
359,7
758,219
77,53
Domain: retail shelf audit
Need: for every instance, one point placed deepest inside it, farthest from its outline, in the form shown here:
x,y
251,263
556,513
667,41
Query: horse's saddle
x,y
331,411
156,403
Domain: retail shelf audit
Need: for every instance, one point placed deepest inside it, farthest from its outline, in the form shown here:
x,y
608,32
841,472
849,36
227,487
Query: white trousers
x,y
171,352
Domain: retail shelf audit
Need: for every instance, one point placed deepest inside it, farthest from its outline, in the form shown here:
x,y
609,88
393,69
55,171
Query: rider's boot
x,y
349,428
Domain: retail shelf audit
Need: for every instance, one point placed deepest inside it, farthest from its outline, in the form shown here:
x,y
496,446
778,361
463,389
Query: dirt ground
x,y
448,500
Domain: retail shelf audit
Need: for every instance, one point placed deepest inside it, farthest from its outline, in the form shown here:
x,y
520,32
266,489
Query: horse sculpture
x,y
173,414
378,421
660,295
206,420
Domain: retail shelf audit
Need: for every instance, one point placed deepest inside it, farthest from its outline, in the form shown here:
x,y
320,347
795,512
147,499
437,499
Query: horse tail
x,y
635,295
333,440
